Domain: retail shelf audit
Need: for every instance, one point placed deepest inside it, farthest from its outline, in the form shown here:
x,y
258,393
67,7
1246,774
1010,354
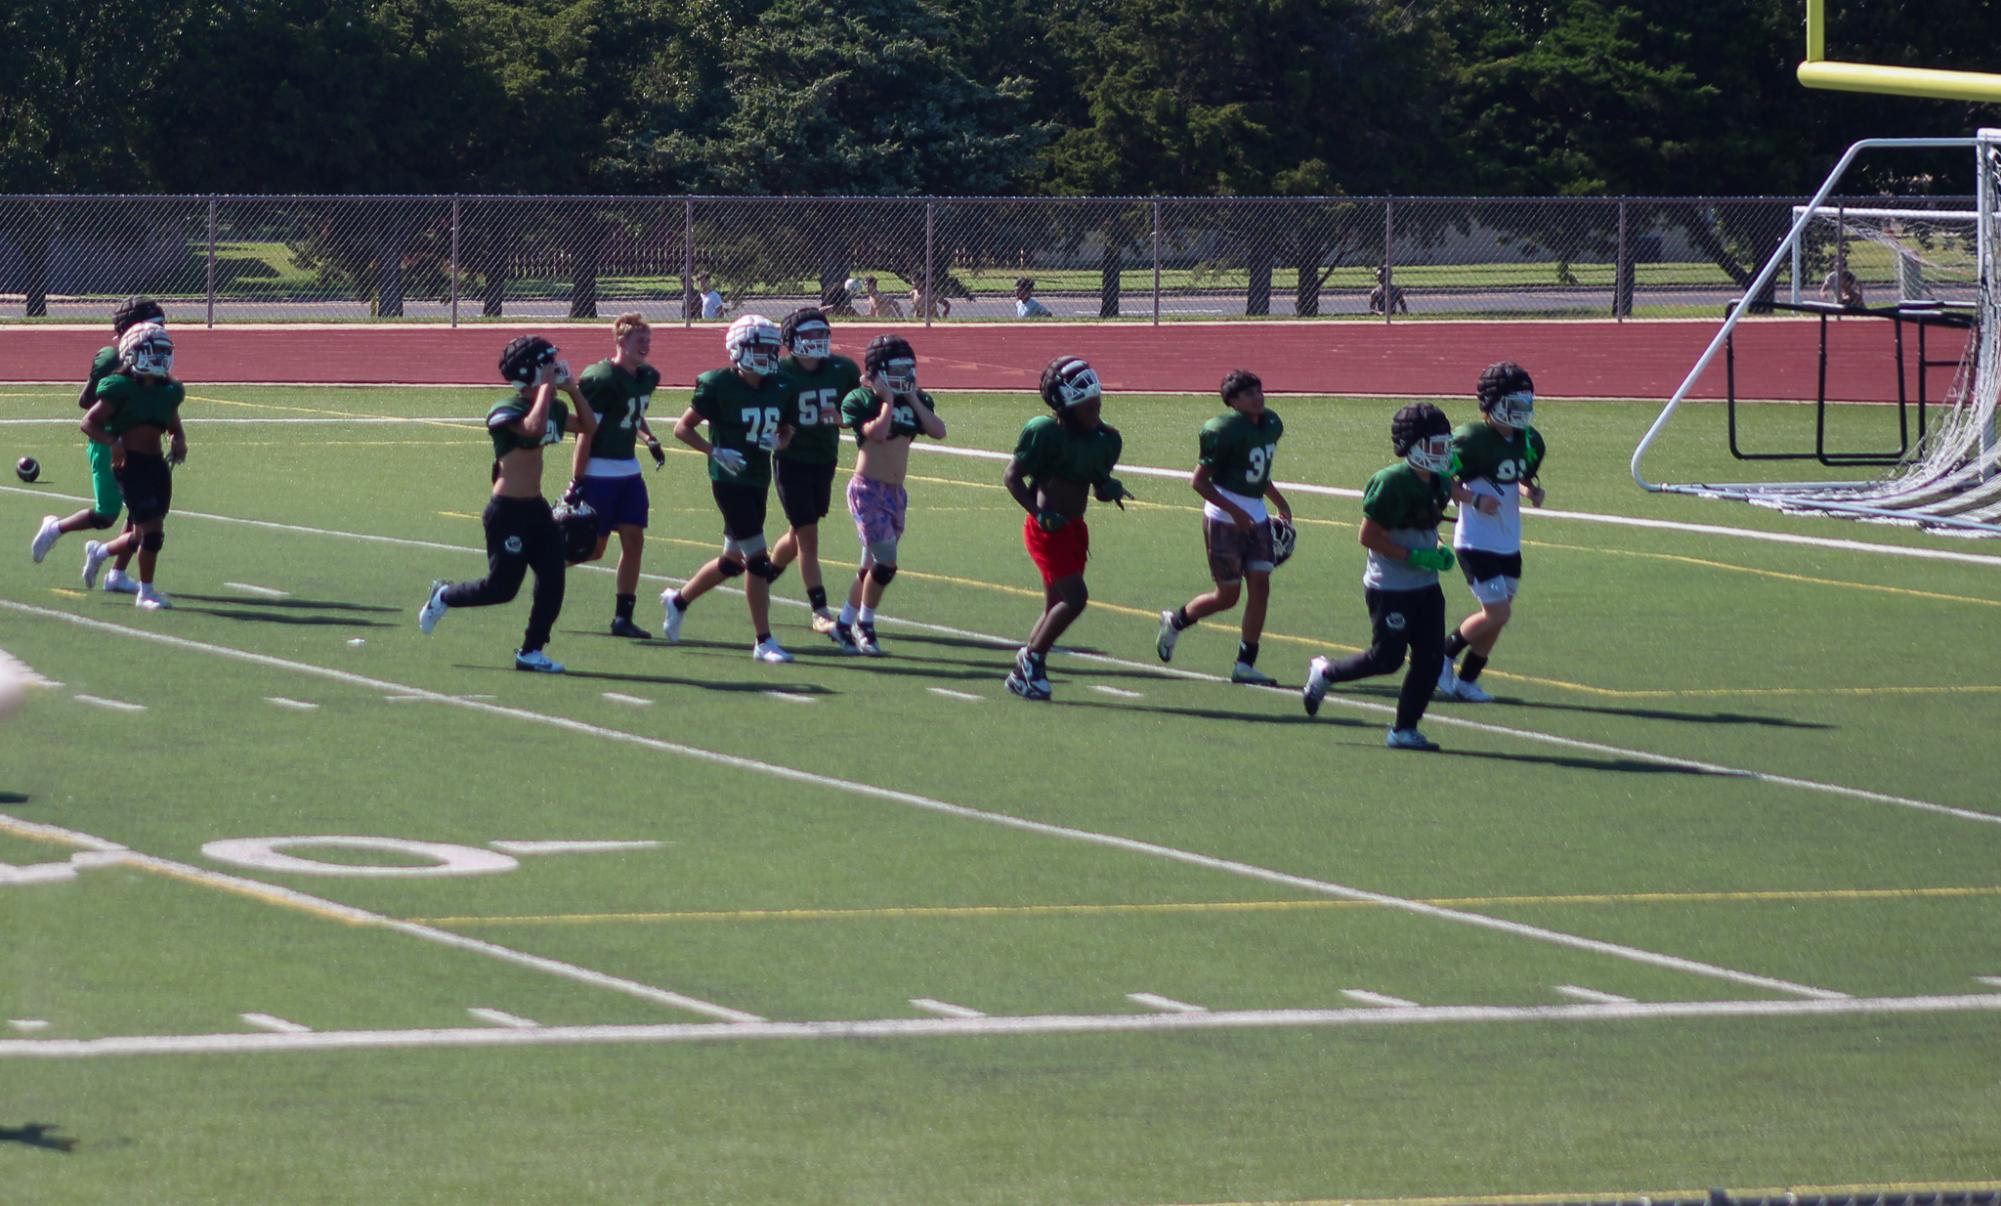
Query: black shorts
x,y
742,508
1479,565
804,489
148,485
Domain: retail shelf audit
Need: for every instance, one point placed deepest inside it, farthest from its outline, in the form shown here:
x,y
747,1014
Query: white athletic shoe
x,y
1409,739
1163,643
1024,679
118,582
671,626
45,538
1471,693
770,651
1316,686
1251,676
863,637
151,600
433,609
536,662
94,556
824,621
1448,681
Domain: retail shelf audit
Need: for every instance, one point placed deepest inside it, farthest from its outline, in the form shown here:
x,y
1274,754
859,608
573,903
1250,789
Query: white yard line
x,y
1377,999
27,1024
272,893
113,705
264,591
945,1008
631,700
881,1028
1120,692
264,1021
500,1018
791,697
912,799
1593,995
1164,1004
948,693
1992,981
297,705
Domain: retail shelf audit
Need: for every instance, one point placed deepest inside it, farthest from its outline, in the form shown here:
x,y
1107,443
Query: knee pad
x,y
153,541
101,521
748,547
762,567
728,568
882,573
881,551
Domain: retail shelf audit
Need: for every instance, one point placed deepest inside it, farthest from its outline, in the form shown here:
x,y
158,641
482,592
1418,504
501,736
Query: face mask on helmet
x,y
812,341
1433,454
1076,384
753,345
1516,410
147,351
899,376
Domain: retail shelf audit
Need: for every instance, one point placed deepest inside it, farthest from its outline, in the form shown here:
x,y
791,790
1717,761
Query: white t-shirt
x,y
1500,532
712,303
1255,507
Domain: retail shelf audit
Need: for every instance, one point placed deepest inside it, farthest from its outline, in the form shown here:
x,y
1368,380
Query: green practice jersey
x,y
1485,454
102,365
1239,451
1048,449
862,406
744,417
513,409
1410,509
139,404
818,439
619,400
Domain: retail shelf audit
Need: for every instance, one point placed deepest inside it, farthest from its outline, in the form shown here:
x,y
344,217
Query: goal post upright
x,y
1816,70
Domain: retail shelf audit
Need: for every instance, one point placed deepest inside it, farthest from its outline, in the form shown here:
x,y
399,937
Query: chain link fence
x,y
463,259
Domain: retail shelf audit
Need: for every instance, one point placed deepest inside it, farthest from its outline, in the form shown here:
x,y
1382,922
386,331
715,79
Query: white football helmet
x,y
753,344
147,350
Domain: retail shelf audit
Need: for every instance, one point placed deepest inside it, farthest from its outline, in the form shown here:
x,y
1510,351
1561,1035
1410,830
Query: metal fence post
x,y
1622,271
930,264
1389,258
1156,263
211,261
455,259
688,262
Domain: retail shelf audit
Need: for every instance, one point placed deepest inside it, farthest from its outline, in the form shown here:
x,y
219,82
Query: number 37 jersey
x,y
745,417
1238,452
1492,466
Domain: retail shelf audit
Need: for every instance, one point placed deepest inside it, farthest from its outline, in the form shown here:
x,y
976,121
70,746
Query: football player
x,y
106,501
1060,461
1402,507
1233,475
805,467
887,415
1499,458
135,407
617,391
751,412
521,531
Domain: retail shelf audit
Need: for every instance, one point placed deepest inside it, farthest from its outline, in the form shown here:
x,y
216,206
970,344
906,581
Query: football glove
x,y
1049,521
1438,560
730,459
659,453
1112,490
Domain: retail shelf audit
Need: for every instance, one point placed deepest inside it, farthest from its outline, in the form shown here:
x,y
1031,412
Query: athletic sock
x,y
680,603
816,597
1182,619
847,614
762,637
866,615
1471,667
1454,644
625,603
1247,652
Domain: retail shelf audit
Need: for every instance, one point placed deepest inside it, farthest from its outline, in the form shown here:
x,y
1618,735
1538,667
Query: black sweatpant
x,y
521,535
1402,621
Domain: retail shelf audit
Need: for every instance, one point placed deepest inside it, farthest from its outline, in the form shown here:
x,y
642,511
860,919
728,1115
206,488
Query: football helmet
x,y
806,332
1508,394
894,361
135,310
1069,381
146,350
753,343
578,525
523,355
1422,435
1284,540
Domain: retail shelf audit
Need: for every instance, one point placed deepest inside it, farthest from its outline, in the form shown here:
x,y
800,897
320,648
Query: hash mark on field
x,y
948,693
27,1023
634,700
115,705
297,705
266,591
501,1018
264,1021
1376,998
1164,1004
1994,981
945,1008
789,697
1593,995
1121,692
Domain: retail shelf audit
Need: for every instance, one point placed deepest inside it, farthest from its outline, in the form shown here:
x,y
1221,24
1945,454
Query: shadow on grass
x,y
1776,722
665,680
259,617
14,797
297,604
1626,765
36,1134
1209,713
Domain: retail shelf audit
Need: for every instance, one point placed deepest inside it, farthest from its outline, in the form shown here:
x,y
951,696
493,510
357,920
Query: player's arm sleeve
x,y
703,402
857,408
1028,448
504,418
1209,448
1376,503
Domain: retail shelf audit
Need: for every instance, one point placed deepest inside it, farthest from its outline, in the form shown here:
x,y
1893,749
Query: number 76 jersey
x,y
745,417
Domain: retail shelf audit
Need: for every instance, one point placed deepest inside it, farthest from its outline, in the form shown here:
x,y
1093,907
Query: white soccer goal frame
x,y
1982,144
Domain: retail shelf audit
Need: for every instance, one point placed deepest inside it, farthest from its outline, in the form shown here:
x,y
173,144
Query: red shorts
x,y
1057,554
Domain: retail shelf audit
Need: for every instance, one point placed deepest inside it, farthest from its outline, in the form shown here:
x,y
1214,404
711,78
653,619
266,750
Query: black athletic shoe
x,y
623,627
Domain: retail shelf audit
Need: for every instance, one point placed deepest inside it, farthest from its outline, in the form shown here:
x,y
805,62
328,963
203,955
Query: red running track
x,y
1775,358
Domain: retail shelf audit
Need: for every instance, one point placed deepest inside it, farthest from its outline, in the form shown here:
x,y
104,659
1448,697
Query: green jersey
x,y
1492,466
1239,451
746,418
619,400
1410,509
136,403
514,408
821,394
1049,449
102,365
862,406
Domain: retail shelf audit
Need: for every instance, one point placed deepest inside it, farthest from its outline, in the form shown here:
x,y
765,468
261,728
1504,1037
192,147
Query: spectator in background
x,y
713,305
1025,305
840,299
1842,286
942,303
878,305
1387,298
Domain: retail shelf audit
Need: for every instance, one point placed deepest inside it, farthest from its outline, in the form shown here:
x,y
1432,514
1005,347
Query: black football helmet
x,y
523,355
891,358
1507,393
1284,540
578,525
1422,434
135,310
807,333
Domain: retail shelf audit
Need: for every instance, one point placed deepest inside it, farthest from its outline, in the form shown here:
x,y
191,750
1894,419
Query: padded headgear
x,y
1284,540
523,355
135,310
753,343
1507,393
578,526
891,358
1415,433
1069,381
807,332
146,350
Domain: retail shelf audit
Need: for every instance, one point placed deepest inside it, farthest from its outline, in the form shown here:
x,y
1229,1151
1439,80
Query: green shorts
x,y
105,497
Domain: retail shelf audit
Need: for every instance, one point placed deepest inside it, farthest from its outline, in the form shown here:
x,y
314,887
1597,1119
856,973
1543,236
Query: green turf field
x,y
1708,898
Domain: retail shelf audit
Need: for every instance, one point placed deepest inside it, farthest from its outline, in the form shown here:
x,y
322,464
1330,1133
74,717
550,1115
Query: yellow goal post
x,y
1819,71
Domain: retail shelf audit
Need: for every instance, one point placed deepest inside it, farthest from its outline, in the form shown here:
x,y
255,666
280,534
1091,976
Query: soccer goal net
x,y
1927,274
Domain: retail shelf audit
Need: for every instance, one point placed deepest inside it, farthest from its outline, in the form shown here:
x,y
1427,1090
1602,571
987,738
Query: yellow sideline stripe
x,y
1551,1199
1218,906
318,410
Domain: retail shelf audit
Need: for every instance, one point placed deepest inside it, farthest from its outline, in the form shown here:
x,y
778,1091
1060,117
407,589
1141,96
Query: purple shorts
x,y
878,509
617,500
